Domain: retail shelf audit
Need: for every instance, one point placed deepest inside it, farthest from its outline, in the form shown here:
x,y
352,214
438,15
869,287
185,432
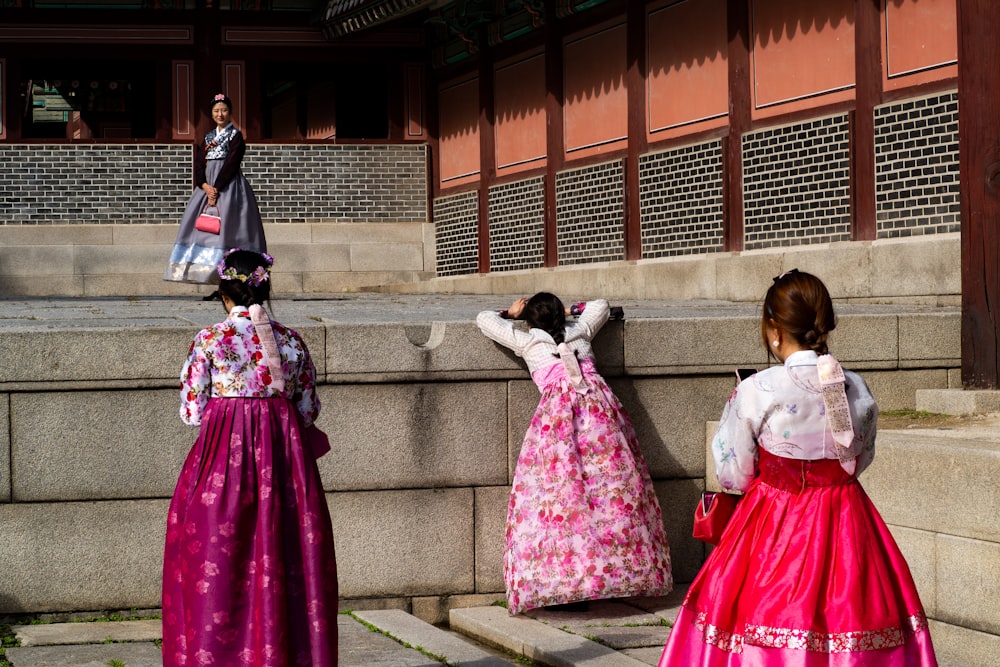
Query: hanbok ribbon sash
x,y
545,377
269,346
838,414
572,366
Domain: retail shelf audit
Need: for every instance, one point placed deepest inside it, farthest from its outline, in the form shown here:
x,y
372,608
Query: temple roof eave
x,y
345,17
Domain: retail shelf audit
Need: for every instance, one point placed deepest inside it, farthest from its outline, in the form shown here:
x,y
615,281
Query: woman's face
x,y
221,114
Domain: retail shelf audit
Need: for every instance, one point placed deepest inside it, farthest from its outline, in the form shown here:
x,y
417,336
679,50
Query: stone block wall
x,y
426,421
101,220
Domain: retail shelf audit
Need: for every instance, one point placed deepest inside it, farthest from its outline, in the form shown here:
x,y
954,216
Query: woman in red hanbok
x,y
249,573
806,573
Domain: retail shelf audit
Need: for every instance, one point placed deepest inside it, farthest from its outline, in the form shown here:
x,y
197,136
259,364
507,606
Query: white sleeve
x,y
502,331
734,446
594,316
864,414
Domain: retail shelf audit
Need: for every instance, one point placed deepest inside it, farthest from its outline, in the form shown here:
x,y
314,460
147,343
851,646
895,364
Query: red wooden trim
x,y
740,108
96,34
415,124
182,105
635,78
270,36
3,98
234,85
868,93
979,168
554,139
11,91
920,90
487,153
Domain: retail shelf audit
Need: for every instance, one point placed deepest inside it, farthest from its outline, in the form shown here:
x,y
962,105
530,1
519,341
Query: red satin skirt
x,y
806,574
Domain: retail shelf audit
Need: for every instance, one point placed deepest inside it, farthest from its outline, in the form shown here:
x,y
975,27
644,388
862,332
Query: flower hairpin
x,y
220,97
254,278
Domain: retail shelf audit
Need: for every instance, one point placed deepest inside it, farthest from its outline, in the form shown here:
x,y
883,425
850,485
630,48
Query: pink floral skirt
x,y
583,521
249,573
806,574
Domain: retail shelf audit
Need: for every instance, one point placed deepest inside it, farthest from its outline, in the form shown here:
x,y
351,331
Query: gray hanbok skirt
x,y
196,254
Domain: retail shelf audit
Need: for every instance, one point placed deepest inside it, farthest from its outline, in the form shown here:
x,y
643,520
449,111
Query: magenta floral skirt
x,y
249,573
583,521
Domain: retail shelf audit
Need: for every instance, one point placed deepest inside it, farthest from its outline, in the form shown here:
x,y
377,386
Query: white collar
x,y
802,358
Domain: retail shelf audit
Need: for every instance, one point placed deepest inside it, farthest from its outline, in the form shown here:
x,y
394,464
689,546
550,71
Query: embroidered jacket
x,y
782,410
226,360
226,145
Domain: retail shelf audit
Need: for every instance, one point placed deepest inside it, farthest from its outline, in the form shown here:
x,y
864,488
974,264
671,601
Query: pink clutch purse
x,y
207,222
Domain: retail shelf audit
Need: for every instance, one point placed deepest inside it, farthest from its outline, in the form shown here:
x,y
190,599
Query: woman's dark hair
x,y
799,304
246,263
546,312
221,99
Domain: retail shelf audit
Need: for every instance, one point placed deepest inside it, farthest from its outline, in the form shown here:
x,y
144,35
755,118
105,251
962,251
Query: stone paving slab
x,y
648,656
134,654
361,647
50,634
411,630
535,640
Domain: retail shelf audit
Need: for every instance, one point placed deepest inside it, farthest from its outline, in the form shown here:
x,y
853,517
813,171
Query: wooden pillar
x,y
207,72
979,166
635,78
11,106
868,93
554,139
740,105
487,150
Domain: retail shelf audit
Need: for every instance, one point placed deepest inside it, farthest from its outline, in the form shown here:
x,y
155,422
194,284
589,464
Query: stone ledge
x,y
52,634
958,401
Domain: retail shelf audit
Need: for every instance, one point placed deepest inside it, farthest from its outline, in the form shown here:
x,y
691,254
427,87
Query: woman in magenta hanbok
x,y
249,573
583,521
806,573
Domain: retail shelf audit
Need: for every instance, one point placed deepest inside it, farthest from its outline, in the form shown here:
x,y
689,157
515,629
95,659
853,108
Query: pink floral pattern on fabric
x,y
249,568
583,521
227,360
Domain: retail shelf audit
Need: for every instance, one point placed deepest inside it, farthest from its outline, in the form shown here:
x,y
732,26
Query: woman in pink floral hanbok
x,y
249,573
583,521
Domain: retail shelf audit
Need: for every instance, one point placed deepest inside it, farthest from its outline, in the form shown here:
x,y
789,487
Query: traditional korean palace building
x,y
401,141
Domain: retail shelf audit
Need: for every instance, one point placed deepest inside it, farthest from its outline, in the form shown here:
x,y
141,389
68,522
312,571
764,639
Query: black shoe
x,y
582,605
214,296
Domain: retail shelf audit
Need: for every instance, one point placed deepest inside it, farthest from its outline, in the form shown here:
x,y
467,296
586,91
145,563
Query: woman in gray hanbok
x,y
219,189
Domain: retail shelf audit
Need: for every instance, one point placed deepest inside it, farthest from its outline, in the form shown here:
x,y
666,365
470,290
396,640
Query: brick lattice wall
x,y
150,183
590,215
680,200
916,167
517,225
456,231
796,184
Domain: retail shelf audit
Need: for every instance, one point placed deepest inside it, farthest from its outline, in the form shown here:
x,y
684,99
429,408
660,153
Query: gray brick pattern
x,y
916,167
151,183
517,225
120,184
339,183
590,214
680,200
456,233
796,184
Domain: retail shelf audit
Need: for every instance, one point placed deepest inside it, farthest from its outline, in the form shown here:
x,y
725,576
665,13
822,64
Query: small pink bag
x,y
206,222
